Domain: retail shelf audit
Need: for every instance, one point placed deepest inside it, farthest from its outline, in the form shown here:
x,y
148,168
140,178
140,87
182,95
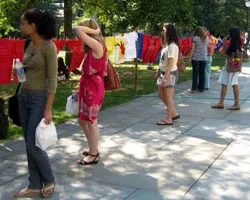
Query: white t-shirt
x,y
169,51
131,38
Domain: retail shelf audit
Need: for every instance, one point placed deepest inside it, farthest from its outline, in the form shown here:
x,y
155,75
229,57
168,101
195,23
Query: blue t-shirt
x,y
140,41
200,50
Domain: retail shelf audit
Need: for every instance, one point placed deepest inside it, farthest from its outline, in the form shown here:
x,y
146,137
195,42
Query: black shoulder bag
x,y
4,123
13,109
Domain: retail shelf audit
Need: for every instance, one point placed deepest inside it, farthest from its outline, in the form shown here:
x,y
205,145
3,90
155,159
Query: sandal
x,y
86,153
48,191
218,106
26,192
94,161
234,108
193,91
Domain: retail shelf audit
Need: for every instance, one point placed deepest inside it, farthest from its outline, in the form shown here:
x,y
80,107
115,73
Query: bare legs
x,y
236,96
167,96
91,132
223,95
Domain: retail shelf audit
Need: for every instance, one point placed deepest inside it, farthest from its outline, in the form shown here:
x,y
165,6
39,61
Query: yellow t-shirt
x,y
110,44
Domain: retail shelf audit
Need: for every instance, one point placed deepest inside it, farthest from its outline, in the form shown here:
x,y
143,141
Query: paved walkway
x,y
204,155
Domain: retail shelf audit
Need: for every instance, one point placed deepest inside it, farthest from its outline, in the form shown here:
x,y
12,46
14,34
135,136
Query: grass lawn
x,y
146,85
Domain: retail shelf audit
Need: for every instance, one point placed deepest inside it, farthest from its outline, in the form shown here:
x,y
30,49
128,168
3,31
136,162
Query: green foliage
x,y
12,10
125,15
147,15
219,15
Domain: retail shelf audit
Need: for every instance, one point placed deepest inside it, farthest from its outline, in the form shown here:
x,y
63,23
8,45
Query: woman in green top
x,y
37,95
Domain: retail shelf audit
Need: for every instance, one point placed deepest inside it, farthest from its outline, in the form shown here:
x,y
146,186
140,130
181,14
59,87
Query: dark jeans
x,y
198,75
31,107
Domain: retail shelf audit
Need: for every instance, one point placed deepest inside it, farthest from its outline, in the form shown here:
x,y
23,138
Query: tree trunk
x,y
68,27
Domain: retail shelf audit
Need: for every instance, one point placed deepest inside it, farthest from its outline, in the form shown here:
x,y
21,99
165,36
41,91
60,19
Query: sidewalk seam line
x,y
207,168
131,193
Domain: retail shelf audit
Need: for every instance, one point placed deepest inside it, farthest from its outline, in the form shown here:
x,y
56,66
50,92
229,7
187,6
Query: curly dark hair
x,y
44,20
171,34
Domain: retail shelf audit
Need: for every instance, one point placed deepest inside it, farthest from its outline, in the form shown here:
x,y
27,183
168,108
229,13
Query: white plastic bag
x,y
45,135
72,105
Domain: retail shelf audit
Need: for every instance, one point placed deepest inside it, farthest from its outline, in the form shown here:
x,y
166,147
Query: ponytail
x,y
44,20
48,25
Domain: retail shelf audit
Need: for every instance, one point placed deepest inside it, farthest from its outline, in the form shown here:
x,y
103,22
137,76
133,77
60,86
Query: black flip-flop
x,y
176,117
164,123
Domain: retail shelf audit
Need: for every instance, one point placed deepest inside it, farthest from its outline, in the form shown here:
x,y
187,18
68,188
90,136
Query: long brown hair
x,y
171,34
235,40
91,23
199,31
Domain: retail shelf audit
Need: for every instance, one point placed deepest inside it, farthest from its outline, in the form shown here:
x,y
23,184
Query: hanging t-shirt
x,y
147,57
131,39
19,49
59,44
110,44
76,46
140,42
186,46
151,48
157,47
6,60
120,43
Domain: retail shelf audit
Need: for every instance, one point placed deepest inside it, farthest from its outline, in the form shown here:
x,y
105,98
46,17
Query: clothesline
x,y
123,45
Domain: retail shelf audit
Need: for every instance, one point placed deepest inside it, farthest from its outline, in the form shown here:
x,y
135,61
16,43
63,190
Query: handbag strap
x,y
18,88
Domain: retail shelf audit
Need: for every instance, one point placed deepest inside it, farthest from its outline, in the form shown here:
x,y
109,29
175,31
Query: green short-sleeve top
x,y
41,67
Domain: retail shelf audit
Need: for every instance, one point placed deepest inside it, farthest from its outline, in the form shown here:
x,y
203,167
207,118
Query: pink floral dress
x,y
92,91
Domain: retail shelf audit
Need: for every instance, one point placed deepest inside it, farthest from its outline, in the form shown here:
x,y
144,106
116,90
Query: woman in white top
x,y
167,72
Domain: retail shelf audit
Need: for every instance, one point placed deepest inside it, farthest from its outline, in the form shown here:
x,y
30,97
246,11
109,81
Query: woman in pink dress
x,y
91,91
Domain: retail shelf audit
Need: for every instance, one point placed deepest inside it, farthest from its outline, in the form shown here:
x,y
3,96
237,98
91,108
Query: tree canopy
x,y
127,15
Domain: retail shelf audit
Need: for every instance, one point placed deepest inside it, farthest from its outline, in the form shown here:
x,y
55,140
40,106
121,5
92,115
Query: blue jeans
x,y
31,108
198,75
208,71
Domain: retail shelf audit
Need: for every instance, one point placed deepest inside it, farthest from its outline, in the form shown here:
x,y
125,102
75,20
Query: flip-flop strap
x,y
47,188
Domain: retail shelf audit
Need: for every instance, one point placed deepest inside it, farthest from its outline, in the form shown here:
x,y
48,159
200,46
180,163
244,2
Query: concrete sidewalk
x,y
204,155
